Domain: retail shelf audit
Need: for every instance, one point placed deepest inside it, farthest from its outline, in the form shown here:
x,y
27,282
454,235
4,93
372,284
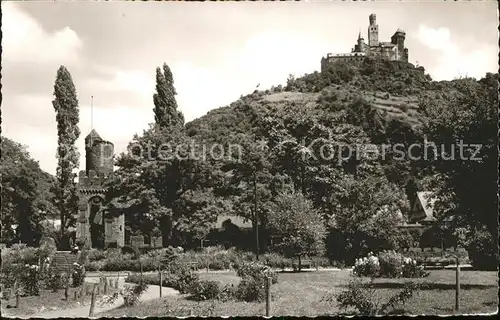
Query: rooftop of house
x,y
240,222
427,201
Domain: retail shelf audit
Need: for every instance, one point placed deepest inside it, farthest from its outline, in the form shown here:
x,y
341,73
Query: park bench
x,y
305,264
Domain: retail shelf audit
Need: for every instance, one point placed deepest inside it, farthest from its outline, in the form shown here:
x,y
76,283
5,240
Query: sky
x,y
217,52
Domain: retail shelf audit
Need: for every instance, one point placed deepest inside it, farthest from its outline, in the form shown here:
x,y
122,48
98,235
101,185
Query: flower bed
x,y
388,264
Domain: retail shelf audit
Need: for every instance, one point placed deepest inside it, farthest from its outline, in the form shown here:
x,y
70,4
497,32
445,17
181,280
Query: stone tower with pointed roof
x,y
94,226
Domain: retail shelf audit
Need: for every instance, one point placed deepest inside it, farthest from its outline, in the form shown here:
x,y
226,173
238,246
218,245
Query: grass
x,y
300,294
290,96
47,300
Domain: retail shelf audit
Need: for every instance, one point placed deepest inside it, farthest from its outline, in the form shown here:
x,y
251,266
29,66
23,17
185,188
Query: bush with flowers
x,y
30,279
391,264
413,270
388,264
367,266
55,281
78,275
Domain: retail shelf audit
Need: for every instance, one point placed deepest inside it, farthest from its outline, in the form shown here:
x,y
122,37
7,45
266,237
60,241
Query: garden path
x,y
152,293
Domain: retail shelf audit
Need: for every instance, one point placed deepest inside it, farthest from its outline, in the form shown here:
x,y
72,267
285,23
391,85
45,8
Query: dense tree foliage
x,y
297,228
26,195
464,128
354,192
65,104
165,110
165,179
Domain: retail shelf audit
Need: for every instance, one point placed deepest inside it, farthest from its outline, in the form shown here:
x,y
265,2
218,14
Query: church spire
x,y
359,36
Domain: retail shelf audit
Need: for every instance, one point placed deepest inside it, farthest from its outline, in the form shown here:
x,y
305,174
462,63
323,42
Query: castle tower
x,y
360,42
373,31
96,228
399,40
98,154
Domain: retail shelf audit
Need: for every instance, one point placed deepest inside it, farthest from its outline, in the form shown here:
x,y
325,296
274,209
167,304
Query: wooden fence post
x,y
75,294
16,288
81,294
106,285
117,280
161,282
457,289
92,302
268,297
66,289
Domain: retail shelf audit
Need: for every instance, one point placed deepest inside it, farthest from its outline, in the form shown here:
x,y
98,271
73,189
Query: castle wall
x,y
115,231
325,62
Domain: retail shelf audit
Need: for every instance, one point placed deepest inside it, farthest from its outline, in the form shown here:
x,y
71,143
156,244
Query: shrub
x,y
275,260
228,292
363,299
253,283
250,289
483,251
205,290
367,267
10,273
26,255
117,264
131,294
78,275
256,270
412,270
95,265
391,264
388,264
129,250
30,280
55,281
165,255
96,255
184,279
114,253
180,277
219,265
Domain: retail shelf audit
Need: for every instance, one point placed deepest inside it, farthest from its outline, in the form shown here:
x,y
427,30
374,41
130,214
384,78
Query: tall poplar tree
x,y
165,110
67,116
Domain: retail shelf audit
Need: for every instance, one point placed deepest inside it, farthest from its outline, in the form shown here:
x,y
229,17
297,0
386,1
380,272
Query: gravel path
x,y
153,292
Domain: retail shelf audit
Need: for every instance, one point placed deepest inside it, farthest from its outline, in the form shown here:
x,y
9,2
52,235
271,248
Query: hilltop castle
x,y
394,50
94,226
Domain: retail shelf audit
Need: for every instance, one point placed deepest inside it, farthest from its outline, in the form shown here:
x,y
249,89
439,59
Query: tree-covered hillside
x,y
380,103
329,137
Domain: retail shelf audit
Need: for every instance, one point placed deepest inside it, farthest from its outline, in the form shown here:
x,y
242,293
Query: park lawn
x,y
47,300
300,294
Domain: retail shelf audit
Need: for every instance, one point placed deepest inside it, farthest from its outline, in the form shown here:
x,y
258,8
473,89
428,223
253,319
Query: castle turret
x,y
360,46
399,40
98,154
373,31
